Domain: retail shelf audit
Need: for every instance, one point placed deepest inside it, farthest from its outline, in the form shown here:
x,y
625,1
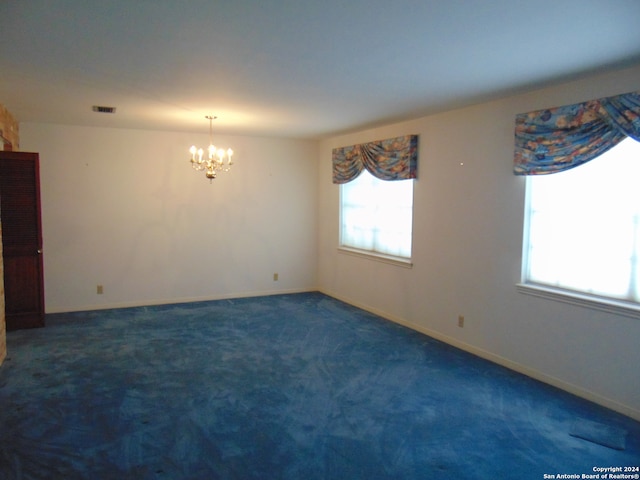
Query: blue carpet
x,y
599,433
284,387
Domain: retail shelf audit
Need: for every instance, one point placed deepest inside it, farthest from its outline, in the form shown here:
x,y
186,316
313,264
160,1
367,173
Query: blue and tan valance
x,y
390,159
557,139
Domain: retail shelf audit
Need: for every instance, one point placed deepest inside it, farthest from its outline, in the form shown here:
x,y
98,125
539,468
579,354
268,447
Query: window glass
x,y
582,228
376,215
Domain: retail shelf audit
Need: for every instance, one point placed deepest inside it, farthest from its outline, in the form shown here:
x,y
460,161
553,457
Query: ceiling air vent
x,y
102,109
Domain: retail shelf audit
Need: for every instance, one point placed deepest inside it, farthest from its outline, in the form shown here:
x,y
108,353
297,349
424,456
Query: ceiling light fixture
x,y
217,159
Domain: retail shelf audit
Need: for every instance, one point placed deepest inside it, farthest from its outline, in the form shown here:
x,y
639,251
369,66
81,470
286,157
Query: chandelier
x,y
216,160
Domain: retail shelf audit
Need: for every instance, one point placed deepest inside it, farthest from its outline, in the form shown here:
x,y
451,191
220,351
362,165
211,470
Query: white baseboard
x,y
505,362
169,301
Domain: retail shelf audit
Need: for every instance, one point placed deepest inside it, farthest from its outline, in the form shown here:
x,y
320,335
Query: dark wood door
x,y
21,239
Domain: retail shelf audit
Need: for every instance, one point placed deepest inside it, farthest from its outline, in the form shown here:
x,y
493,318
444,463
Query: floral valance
x,y
557,139
390,159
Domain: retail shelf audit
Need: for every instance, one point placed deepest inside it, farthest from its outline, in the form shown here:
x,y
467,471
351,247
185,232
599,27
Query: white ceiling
x,y
294,68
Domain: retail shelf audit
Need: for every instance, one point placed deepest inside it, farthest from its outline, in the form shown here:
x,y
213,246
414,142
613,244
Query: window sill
x,y
616,307
379,257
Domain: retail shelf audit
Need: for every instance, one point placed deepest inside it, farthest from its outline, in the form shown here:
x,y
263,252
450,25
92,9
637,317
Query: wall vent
x,y
102,109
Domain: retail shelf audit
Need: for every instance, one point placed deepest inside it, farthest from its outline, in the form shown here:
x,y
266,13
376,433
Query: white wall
x,y
468,222
124,209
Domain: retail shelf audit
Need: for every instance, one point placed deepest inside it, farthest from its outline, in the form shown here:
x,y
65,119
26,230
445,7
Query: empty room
x,y
320,240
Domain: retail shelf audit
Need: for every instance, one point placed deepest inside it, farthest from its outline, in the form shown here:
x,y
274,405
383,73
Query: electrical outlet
x,y
100,290
461,321
275,277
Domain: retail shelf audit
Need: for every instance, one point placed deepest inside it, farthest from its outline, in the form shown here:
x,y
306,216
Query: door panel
x,y
21,239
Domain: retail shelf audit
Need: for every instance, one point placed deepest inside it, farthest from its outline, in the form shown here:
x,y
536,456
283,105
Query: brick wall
x,y
9,140
8,131
3,326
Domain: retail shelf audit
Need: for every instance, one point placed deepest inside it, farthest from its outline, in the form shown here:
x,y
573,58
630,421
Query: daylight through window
x,y
582,227
376,215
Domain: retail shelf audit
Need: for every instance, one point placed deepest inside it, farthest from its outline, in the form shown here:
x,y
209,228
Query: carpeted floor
x,y
295,386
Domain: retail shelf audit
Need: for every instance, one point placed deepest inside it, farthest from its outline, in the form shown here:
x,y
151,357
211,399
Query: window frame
x,y
406,262
592,301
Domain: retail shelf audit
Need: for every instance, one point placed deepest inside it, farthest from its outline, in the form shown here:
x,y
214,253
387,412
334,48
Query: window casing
x,y
376,217
582,228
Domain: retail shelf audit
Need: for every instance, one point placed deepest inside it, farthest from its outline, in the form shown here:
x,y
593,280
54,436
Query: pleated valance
x,y
557,139
390,159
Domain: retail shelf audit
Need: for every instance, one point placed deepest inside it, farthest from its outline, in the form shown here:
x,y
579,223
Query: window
x,y
582,227
376,216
